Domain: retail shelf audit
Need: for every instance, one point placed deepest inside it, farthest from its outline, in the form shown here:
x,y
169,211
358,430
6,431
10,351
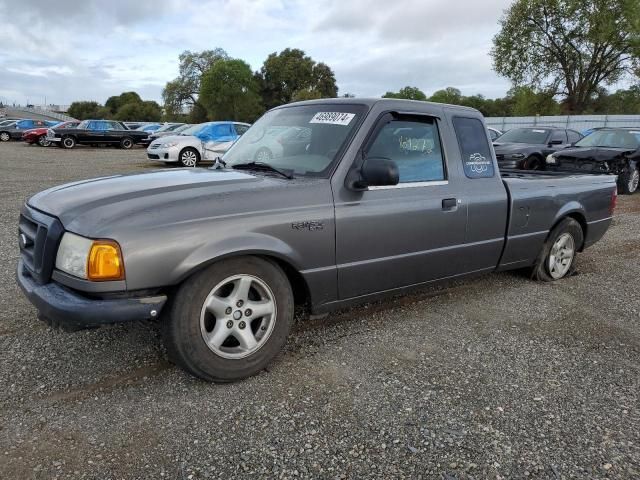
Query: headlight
x,y
169,144
96,260
517,156
551,159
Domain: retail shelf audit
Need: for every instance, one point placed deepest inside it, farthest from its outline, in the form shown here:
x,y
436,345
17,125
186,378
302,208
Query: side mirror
x,y
375,172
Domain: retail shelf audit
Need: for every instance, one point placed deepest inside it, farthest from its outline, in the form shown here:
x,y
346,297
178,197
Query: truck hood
x,y
94,207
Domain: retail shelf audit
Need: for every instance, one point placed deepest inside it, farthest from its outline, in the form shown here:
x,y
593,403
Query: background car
x,y
150,127
527,148
166,129
205,141
494,133
606,150
14,130
166,133
96,132
39,135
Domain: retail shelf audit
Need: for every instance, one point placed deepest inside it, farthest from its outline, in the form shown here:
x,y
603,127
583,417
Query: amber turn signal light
x,y
105,261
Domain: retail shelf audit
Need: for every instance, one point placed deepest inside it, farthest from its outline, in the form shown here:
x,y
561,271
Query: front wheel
x,y
5,137
558,257
43,142
629,181
230,320
533,162
126,143
189,157
68,142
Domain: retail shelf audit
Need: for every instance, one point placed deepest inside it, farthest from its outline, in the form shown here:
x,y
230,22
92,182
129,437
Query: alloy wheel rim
x,y
238,316
43,141
4,137
127,144
68,142
189,159
561,256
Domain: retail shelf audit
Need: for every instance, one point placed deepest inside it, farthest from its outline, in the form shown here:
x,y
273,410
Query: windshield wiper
x,y
262,166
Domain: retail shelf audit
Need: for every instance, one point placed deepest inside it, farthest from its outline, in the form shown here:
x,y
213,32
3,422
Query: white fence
x,y
575,122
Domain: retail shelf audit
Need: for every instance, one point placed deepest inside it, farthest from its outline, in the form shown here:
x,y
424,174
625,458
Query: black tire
x,y
68,142
42,141
628,181
263,155
533,162
187,157
542,270
5,136
126,143
182,331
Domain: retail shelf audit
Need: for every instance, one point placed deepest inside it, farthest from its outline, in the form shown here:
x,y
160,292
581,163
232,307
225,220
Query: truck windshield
x,y
611,139
534,136
301,140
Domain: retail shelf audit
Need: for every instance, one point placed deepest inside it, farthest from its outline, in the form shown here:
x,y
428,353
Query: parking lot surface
x,y
496,377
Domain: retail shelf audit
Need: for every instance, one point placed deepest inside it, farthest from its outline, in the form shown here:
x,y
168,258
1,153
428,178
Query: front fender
x,y
247,244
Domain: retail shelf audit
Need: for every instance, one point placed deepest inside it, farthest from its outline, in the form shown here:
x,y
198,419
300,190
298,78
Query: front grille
x,y
153,156
39,236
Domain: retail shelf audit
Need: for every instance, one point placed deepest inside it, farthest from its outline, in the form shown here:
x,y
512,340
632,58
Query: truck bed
x,y
539,199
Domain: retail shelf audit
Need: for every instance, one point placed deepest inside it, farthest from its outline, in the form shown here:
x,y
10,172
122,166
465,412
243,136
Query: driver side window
x,y
414,145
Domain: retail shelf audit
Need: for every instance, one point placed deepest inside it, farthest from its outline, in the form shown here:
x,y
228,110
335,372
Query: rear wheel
x,y
43,142
126,143
533,162
558,257
5,137
230,320
629,181
189,157
68,142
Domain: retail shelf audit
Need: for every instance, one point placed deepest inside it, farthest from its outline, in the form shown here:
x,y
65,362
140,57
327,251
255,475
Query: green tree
x,y
228,91
449,95
143,111
568,47
409,93
115,102
84,110
527,101
182,92
291,74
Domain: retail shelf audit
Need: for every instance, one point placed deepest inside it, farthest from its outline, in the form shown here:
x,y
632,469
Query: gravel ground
x,y
497,377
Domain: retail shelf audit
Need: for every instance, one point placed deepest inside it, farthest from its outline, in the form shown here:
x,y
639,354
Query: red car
x,y
39,135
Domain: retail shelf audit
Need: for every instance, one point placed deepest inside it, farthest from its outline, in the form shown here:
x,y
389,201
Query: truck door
x,y
410,233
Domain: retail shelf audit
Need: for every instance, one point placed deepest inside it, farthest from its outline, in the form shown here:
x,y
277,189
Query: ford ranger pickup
x,y
382,196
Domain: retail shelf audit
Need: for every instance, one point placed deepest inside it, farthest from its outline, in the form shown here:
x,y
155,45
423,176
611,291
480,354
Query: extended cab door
x,y
391,237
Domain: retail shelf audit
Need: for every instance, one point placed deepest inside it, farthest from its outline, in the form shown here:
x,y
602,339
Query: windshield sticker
x,y
332,118
538,131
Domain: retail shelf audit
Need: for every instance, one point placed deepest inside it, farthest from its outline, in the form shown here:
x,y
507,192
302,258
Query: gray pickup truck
x,y
380,197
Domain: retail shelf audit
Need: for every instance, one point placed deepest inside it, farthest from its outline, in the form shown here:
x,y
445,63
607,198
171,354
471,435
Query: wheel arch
x,y
576,212
299,285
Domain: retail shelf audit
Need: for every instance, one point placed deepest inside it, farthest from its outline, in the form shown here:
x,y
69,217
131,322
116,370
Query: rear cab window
x,y
477,159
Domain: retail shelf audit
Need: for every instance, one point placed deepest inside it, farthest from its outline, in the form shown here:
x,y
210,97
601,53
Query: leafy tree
x,y
143,111
286,75
409,93
84,110
115,102
229,91
527,101
568,47
182,92
449,95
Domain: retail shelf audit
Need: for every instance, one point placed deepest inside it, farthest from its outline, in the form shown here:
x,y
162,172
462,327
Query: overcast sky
x,y
86,50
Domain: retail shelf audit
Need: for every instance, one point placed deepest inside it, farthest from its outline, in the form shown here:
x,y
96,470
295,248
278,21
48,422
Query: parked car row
x,y
13,129
614,151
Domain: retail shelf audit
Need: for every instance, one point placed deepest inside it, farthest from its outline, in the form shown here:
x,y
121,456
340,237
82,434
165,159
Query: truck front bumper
x,y
73,311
